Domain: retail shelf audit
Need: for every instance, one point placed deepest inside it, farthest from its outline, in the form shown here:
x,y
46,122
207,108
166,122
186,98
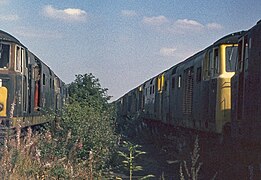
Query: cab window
x,y
231,57
210,64
4,55
206,73
216,62
19,59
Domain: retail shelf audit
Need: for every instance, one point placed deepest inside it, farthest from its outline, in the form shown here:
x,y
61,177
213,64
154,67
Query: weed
x,y
192,171
130,157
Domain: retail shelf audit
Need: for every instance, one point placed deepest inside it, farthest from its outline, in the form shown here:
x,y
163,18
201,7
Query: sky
x,y
122,42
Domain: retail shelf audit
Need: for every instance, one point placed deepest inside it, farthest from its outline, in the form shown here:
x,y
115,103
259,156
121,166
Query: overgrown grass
x,y
77,147
36,157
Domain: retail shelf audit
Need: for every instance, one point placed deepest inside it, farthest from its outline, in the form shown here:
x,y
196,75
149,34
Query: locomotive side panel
x,y
150,99
197,107
177,112
166,99
22,92
188,94
173,91
246,83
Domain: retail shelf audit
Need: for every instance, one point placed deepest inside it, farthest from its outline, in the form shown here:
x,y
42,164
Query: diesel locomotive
x,y
193,94
197,93
28,87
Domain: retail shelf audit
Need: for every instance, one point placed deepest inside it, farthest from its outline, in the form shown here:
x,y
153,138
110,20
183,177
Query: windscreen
x,y
231,57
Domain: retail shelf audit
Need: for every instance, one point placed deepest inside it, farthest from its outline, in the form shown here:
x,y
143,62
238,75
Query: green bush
x,y
89,120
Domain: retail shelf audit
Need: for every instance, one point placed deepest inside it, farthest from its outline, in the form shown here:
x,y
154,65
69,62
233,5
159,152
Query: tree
x,y
86,131
87,89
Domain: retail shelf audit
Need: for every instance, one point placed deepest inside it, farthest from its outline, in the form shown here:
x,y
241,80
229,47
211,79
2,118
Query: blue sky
x,y
122,42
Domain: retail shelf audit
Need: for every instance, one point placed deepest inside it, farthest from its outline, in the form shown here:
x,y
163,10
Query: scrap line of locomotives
x,y
29,89
216,91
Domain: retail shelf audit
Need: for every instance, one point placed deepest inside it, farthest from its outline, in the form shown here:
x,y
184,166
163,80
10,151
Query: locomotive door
x,y
166,102
241,64
25,81
159,104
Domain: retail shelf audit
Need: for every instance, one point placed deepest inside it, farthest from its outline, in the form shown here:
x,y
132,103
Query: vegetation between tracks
x,y
79,146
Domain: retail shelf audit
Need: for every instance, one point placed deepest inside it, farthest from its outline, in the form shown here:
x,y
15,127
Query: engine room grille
x,y
188,91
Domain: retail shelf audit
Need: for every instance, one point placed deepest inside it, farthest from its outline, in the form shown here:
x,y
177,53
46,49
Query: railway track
x,y
166,149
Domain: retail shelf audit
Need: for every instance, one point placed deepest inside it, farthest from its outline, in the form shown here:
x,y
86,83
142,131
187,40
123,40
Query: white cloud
x,y
69,14
187,24
11,17
155,20
2,2
167,51
214,26
184,26
128,13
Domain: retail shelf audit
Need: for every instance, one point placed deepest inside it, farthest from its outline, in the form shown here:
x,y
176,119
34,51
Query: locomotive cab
x,y
219,67
12,69
4,65
228,55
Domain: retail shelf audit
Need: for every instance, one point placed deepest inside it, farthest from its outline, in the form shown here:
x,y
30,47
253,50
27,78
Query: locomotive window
x,y
23,59
18,59
179,81
216,62
210,64
206,67
4,55
246,56
159,84
231,57
56,85
25,94
44,79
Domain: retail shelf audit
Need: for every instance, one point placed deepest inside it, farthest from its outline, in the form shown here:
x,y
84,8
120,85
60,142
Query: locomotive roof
x,y
231,38
4,36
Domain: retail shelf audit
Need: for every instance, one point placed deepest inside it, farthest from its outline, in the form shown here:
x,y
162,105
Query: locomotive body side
x,y
28,87
194,94
246,99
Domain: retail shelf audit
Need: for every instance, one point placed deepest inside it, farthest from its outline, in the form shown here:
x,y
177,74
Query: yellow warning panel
x,y
3,101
